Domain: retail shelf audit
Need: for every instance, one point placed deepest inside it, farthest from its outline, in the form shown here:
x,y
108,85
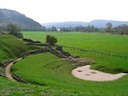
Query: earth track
x,y
8,70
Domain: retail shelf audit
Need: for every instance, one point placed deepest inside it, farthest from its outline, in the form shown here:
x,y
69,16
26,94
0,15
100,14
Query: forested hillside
x,y
10,16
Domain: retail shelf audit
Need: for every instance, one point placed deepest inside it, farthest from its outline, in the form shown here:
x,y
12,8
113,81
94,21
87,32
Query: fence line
x,y
96,52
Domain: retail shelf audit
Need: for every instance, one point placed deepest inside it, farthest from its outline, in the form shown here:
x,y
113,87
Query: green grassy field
x,y
9,88
94,41
50,71
49,75
113,44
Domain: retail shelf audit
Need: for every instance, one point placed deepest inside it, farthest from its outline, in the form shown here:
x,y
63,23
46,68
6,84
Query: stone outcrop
x,y
2,71
6,62
62,54
18,78
31,42
35,52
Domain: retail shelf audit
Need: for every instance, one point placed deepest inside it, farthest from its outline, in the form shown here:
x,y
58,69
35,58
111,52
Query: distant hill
x,y
102,23
96,23
65,24
10,16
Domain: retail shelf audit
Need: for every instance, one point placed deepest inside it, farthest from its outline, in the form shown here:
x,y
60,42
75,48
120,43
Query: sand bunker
x,y
86,73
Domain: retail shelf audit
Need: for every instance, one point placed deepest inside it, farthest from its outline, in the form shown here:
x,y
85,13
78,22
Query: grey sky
x,y
69,10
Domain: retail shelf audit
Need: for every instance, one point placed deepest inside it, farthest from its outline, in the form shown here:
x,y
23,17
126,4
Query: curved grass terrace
x,y
50,71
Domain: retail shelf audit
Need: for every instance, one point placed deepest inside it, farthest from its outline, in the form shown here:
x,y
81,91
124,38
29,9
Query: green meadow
x,y
50,71
93,41
48,75
102,42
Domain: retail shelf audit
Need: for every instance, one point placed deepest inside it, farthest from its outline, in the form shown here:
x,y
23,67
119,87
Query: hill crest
x,y
10,16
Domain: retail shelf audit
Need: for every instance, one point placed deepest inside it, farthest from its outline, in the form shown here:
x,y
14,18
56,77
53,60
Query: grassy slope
x,y
9,88
94,41
11,47
54,73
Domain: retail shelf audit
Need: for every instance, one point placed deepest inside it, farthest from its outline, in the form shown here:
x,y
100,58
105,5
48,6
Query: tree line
x,y
121,29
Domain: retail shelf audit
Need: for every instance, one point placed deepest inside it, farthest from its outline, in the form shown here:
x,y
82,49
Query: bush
x,y
0,31
51,40
14,30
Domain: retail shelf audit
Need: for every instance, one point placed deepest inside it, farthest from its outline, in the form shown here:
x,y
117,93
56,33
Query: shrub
x,y
51,40
14,30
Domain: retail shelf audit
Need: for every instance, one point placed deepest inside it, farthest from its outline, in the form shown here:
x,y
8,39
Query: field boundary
x,y
96,52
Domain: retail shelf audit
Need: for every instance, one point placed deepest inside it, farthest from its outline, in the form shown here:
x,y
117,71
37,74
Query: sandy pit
x,y
86,73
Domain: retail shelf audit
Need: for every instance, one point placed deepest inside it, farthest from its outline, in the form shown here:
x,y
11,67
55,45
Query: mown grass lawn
x,y
9,88
95,41
52,72
113,44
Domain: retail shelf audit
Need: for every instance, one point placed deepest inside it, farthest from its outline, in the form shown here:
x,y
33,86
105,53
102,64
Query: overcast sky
x,y
69,10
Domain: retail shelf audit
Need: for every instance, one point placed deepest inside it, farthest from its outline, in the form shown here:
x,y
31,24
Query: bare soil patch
x,y
86,73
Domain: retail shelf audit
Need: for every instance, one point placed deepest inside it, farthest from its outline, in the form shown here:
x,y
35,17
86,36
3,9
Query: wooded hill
x,y
10,16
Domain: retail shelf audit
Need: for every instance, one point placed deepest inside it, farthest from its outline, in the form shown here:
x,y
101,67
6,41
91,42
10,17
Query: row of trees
x,y
89,28
121,29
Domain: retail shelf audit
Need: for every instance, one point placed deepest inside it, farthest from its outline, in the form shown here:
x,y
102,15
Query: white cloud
x,y
69,10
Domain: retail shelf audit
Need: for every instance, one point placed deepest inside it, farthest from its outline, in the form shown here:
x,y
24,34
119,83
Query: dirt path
x,y
86,73
8,70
